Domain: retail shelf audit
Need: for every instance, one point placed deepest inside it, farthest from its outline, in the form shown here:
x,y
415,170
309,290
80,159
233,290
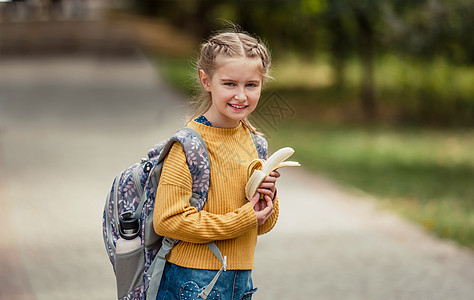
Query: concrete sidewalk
x,y
333,243
65,135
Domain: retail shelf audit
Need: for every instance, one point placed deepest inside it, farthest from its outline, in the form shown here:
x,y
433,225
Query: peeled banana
x,y
259,169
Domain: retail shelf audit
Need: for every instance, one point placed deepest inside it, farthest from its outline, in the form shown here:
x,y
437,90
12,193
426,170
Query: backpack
x,y
131,201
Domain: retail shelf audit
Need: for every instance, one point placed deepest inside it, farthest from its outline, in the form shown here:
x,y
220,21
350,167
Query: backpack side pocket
x,y
126,272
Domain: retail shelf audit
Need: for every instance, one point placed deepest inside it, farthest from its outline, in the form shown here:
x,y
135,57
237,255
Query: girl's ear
x,y
205,80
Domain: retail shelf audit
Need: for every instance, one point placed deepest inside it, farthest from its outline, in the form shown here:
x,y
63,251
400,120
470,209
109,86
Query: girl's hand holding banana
x,y
267,187
259,173
262,201
263,208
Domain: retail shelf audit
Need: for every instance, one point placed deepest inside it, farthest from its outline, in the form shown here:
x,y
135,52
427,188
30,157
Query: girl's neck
x,y
220,122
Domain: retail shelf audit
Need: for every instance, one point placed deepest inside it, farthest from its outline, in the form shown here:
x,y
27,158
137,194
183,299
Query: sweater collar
x,y
214,130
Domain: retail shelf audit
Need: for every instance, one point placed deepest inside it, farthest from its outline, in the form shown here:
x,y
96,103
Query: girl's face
x,y
235,88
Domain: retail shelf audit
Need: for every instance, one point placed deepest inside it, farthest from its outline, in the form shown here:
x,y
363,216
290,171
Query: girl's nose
x,y
240,95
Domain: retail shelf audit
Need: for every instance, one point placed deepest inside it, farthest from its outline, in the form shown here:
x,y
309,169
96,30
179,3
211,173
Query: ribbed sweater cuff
x,y
248,209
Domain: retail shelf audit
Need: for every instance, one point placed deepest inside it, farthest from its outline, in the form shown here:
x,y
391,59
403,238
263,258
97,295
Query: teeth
x,y
237,106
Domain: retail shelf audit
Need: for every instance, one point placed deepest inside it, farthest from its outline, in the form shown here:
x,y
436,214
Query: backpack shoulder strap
x,y
197,158
261,144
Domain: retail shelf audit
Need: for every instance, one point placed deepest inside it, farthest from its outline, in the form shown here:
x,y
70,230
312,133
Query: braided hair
x,y
229,44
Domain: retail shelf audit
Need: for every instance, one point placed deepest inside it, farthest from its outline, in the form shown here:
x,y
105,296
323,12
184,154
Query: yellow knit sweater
x,y
227,217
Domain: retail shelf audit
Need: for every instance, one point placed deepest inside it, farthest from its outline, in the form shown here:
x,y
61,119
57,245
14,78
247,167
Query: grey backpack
x,y
128,215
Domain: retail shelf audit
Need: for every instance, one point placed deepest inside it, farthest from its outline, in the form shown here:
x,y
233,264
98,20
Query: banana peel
x,y
259,169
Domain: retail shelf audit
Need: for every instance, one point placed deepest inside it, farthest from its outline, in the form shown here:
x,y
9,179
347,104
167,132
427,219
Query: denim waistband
x,y
185,283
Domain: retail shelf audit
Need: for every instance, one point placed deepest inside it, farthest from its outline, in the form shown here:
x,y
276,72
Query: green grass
x,y
425,175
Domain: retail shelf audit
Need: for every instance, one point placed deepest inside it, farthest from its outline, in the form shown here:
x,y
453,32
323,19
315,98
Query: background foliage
x,y
427,34
382,93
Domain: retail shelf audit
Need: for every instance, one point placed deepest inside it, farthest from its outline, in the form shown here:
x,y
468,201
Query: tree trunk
x,y
338,50
366,48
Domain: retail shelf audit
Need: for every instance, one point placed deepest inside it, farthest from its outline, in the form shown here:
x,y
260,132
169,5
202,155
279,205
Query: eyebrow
x,y
232,80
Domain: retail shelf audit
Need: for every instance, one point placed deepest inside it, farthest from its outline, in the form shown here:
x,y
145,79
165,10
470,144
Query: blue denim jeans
x,y
184,283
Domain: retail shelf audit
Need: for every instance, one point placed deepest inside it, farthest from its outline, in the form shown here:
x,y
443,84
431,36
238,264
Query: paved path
x,y
64,135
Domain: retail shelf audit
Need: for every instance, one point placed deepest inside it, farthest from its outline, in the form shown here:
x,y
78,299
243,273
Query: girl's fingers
x,y
266,212
267,193
269,199
270,179
266,185
257,207
255,199
264,207
263,210
267,202
275,174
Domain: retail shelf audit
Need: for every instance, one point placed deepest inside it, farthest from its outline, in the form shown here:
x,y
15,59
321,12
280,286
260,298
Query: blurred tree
x,y
428,28
420,28
339,38
366,14
366,29
146,7
353,27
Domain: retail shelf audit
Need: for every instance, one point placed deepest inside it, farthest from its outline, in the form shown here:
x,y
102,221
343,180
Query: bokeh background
x,y
374,95
381,93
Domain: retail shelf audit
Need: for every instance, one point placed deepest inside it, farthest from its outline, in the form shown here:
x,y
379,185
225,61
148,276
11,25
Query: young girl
x,y
232,69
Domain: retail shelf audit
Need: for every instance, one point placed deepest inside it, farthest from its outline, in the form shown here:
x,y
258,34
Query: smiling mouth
x,y
238,106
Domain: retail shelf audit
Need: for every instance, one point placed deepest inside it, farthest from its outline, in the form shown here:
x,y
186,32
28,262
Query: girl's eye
x,y
252,85
229,83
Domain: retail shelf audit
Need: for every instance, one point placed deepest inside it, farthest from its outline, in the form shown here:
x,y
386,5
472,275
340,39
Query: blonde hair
x,y
230,44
